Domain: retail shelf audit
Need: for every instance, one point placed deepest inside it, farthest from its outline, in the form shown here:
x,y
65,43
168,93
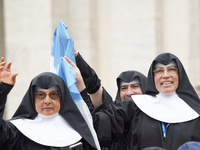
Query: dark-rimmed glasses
x,y
42,95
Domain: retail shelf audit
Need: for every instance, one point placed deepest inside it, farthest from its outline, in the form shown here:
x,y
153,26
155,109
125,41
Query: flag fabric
x,y
63,45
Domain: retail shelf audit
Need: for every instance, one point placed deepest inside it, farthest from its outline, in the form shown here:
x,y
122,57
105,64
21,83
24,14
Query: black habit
x,y
12,139
142,131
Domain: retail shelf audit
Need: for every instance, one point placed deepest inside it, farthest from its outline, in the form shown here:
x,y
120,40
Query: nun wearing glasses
x,y
46,119
166,116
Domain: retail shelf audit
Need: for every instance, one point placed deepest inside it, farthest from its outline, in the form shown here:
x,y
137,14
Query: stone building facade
x,y
112,36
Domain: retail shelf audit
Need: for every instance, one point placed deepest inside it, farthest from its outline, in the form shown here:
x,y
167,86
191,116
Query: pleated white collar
x,y
169,108
48,130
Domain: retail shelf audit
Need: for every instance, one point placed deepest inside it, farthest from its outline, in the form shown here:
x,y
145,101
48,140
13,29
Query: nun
x,y
166,116
46,119
129,83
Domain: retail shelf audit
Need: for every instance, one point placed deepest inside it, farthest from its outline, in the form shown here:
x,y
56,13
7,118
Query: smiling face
x,y
128,89
166,78
47,101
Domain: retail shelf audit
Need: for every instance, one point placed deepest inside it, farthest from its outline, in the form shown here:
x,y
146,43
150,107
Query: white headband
x,y
171,63
51,88
134,81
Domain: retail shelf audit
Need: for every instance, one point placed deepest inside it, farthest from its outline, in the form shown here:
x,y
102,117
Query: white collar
x,y
169,108
48,130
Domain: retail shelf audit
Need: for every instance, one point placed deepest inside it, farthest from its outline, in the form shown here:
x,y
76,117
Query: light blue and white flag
x,y
63,45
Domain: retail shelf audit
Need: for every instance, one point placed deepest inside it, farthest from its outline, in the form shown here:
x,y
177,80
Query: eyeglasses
x,y
53,95
170,70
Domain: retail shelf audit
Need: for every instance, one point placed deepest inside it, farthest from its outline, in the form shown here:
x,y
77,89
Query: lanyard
x,y
164,129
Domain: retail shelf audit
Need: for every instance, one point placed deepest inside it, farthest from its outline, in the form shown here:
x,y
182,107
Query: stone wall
x,y
112,36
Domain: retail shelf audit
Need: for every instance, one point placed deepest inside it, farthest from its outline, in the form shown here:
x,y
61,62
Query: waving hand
x,y
5,73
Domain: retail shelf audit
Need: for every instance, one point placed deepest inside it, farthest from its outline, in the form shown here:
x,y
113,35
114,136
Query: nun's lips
x,y
47,108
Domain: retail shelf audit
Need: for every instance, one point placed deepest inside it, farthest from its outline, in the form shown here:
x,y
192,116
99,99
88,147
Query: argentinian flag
x,y
63,45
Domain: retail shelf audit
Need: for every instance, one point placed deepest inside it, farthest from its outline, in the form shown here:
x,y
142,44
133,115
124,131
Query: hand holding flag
x,y
63,45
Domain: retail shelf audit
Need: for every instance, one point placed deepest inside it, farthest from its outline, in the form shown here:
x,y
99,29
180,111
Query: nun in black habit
x,y
132,78
138,79
29,130
166,116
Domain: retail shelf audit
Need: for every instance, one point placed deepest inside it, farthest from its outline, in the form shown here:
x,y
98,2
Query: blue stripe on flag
x,y
63,45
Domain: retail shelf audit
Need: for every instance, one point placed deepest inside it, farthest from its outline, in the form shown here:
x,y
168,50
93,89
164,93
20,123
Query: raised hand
x,y
5,73
79,80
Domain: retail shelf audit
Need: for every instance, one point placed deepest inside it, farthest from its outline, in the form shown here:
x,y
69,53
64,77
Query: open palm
x,y
5,73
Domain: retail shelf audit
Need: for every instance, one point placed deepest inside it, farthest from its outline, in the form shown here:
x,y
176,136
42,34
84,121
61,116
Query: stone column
x,y
27,42
194,43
